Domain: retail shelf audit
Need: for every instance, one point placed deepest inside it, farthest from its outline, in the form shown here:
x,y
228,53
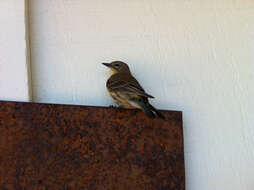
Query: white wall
x,y
14,80
195,56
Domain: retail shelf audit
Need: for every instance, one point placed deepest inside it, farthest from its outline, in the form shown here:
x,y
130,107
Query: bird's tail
x,y
151,112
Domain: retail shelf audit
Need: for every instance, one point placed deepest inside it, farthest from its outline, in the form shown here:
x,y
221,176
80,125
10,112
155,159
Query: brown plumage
x,y
126,90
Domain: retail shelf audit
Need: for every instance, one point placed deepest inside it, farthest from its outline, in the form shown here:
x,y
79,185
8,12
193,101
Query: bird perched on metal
x,y
127,92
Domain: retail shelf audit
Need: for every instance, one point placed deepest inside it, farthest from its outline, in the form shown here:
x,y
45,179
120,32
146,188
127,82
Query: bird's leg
x,y
113,106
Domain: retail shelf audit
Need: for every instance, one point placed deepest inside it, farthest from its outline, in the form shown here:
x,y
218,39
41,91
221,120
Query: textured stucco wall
x,y
195,56
14,83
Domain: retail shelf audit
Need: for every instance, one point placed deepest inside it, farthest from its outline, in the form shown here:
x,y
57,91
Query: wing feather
x,y
126,83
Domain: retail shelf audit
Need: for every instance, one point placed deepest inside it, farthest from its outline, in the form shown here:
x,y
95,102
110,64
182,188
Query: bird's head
x,y
118,66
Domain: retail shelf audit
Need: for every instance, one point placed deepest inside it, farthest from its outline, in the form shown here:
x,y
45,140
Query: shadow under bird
x,y
126,90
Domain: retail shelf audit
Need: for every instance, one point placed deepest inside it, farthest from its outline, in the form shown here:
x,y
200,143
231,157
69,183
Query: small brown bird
x,y
127,92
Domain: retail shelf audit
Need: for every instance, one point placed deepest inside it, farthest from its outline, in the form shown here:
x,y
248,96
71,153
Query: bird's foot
x,y
112,106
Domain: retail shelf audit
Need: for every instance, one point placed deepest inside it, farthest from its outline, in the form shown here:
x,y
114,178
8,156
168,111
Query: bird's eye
x,y
117,65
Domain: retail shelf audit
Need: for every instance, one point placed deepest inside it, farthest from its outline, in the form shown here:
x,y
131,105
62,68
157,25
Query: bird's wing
x,y
127,84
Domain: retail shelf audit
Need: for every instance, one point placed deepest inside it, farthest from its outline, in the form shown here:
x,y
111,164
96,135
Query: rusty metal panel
x,y
65,147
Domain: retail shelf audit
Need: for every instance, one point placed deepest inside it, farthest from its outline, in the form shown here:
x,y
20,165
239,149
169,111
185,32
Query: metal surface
x,y
46,146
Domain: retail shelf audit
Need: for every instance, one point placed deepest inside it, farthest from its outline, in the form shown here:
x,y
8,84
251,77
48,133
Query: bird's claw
x,y
112,106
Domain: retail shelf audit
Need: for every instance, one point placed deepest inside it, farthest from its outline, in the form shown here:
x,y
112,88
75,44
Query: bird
x,y
126,90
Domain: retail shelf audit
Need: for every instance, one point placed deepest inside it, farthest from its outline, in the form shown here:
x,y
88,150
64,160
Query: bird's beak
x,y
107,64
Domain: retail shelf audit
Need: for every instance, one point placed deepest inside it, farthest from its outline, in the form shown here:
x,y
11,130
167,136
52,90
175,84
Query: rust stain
x,y
46,146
